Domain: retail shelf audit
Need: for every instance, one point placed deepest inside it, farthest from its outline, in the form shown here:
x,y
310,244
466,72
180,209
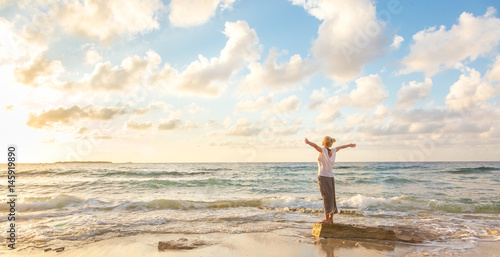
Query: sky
x,y
248,80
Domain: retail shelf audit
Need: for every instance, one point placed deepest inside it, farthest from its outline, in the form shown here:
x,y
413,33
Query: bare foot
x,y
324,221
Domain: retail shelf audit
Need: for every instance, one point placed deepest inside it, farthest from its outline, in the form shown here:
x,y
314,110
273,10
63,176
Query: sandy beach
x,y
282,242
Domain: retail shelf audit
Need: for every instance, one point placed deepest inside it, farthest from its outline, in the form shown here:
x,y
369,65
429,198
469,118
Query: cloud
x,y
271,76
278,127
426,115
139,126
195,12
40,71
390,128
288,105
82,130
107,21
316,99
409,94
327,114
494,74
252,106
469,90
368,93
356,119
194,108
152,106
66,116
190,125
208,78
170,124
243,128
436,50
396,43
105,77
92,56
350,36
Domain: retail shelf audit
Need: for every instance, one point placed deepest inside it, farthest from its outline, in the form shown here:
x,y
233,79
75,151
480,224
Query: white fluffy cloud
x,y
243,128
369,92
396,43
40,71
350,36
494,73
66,116
107,20
469,90
409,94
92,56
170,124
186,13
252,106
139,125
105,77
280,127
17,46
206,77
288,105
438,49
271,76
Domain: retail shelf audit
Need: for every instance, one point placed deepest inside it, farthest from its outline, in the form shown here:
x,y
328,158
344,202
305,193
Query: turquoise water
x,y
81,203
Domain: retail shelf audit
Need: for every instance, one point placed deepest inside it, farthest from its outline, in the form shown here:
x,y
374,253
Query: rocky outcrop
x,y
351,231
180,244
59,249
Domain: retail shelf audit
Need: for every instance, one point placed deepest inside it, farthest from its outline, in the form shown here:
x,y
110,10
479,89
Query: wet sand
x,y
283,242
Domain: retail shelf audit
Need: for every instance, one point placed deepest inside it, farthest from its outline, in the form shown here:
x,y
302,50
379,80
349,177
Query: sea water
x,y
72,204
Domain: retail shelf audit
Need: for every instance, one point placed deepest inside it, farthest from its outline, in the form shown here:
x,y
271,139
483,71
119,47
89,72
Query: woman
x,y
326,182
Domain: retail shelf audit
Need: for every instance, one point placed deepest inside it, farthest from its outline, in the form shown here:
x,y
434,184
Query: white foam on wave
x,y
293,202
362,202
46,203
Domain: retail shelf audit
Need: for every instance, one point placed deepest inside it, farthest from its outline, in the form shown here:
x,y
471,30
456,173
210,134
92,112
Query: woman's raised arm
x,y
313,145
345,146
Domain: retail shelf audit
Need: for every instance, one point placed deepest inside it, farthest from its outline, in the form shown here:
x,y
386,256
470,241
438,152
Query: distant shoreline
x,y
84,162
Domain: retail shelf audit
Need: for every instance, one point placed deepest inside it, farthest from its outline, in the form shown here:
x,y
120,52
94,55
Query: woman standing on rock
x,y
326,182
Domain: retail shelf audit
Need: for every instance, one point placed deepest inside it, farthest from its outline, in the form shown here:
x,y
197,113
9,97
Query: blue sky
x,y
237,80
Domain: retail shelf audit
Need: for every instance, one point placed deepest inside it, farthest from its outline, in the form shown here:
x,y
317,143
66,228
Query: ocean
x,y
74,204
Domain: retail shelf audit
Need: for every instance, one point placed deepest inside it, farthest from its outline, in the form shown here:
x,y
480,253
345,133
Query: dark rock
x,y
351,231
350,212
47,249
60,249
180,244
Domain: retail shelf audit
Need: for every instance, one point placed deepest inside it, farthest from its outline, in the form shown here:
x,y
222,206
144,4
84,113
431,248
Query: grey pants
x,y
327,189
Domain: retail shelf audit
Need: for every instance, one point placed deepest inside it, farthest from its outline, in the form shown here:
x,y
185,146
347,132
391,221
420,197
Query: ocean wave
x,y
161,183
215,169
475,170
405,204
153,174
167,204
45,203
50,171
361,202
398,181
72,203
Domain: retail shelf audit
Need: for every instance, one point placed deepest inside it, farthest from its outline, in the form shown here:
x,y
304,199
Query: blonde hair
x,y
329,141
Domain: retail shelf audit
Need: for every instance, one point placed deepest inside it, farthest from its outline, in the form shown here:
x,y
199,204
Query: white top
x,y
325,163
